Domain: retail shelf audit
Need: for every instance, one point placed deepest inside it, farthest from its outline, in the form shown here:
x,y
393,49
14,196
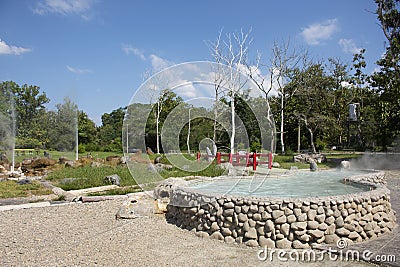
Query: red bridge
x,y
240,159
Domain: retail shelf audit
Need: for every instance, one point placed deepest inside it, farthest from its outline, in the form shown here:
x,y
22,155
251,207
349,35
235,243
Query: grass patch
x,y
117,191
86,177
68,154
212,170
11,189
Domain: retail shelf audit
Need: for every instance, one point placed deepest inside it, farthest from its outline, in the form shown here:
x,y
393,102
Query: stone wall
x,y
285,223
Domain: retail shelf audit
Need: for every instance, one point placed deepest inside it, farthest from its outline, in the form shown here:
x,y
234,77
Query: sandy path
x,y
88,234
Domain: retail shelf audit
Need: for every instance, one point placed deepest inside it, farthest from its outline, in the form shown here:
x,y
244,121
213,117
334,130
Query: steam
x,y
380,160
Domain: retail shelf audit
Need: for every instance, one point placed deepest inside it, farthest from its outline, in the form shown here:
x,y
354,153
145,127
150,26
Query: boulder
x,y
63,160
26,162
164,188
95,164
126,211
116,160
344,164
69,164
113,179
42,163
276,165
313,166
307,158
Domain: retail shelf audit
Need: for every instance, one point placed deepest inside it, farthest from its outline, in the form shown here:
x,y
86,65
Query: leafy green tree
x,y
64,121
386,80
87,129
110,132
29,107
166,102
313,100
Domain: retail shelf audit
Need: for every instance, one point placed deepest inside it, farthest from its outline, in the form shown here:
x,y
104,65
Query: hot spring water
x,y
296,184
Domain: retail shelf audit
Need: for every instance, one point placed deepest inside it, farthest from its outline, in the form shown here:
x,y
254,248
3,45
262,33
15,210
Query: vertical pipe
x,y
254,161
270,160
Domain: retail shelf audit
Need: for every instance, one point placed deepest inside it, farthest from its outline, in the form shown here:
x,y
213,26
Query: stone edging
x,y
286,222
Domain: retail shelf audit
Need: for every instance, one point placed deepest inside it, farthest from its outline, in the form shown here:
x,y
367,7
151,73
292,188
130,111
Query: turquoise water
x,y
298,184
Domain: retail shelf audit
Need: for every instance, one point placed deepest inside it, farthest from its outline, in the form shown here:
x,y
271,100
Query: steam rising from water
x,y
380,161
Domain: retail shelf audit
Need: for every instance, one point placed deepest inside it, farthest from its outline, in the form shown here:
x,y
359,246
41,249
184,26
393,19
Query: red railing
x,y
239,159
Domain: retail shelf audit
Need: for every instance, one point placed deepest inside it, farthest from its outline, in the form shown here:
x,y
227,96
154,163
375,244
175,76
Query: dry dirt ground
x,y
87,234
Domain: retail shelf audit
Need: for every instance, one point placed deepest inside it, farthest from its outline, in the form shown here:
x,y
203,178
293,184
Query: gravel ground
x,y
87,234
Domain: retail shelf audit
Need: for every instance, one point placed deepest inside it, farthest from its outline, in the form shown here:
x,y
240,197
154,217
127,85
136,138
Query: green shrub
x,y
81,148
255,147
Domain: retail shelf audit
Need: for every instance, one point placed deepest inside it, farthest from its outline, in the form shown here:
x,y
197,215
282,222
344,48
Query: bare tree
x,y
232,52
218,80
157,95
283,60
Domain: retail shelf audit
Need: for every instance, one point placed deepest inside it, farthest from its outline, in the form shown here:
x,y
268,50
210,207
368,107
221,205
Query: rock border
x,y
286,222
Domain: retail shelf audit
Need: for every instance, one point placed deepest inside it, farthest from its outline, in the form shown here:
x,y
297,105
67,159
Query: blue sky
x,y
97,51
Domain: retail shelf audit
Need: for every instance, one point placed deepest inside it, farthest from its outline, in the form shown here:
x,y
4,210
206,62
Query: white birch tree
x,y
232,52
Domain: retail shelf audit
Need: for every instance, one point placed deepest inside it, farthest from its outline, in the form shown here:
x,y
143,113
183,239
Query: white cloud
x,y
64,7
7,49
262,79
346,84
78,71
159,63
187,90
349,46
136,51
317,32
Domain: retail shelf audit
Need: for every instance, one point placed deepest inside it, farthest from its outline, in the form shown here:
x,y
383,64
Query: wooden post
x,y
218,157
254,161
270,160
198,156
230,158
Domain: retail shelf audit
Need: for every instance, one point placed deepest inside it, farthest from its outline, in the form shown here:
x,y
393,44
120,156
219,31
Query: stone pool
x,y
285,213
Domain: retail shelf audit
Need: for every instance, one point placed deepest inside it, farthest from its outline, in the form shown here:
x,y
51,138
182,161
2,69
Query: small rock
x,y
281,220
312,225
217,235
201,234
299,225
283,243
126,211
269,226
344,164
113,179
214,226
331,239
285,229
299,245
251,234
257,217
266,242
313,166
229,239
277,213
342,232
251,243
316,233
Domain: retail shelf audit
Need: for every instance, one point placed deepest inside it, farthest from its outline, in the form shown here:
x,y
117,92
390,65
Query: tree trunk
x,y
157,128
282,142
188,135
233,123
313,150
298,139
